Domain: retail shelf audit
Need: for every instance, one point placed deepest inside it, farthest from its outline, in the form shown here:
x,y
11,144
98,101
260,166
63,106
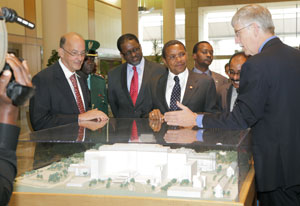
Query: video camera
x,y
19,94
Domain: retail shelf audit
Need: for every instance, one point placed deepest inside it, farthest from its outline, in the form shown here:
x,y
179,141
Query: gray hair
x,y
254,13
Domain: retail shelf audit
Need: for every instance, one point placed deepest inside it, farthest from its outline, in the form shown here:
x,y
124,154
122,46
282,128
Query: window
x,y
216,28
151,27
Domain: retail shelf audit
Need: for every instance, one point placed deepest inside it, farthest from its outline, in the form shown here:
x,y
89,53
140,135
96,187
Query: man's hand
x,y
184,117
9,112
93,114
155,124
181,136
92,125
155,114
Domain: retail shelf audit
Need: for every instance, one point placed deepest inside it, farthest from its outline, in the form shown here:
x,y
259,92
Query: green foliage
x,y
132,180
156,51
92,182
104,67
53,58
54,177
184,182
219,169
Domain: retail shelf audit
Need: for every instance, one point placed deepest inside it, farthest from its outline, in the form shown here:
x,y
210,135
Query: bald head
x,y
72,50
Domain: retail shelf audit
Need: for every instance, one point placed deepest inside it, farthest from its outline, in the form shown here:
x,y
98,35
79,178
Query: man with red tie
x,y
128,84
61,95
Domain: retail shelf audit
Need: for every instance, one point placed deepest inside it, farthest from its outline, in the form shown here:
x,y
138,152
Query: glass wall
x,y
151,28
220,34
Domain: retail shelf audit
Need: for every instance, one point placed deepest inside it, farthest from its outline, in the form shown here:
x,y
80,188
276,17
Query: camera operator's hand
x,y
9,112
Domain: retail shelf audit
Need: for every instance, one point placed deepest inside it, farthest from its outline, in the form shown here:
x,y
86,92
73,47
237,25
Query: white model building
x,y
231,169
142,162
148,162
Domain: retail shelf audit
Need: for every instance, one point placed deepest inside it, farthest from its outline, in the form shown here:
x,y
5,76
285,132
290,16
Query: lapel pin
x,y
191,87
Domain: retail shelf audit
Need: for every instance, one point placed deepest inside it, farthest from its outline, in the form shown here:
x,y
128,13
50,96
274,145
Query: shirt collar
x,y
266,41
181,76
139,66
66,71
207,72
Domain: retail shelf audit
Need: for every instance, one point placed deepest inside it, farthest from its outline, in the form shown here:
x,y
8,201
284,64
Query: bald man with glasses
x,y
62,96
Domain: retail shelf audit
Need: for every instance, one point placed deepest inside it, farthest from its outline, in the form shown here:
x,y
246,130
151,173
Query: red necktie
x,y
134,86
134,133
77,94
80,134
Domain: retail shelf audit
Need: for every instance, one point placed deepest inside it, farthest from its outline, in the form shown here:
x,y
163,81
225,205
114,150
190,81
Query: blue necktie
x,y
175,96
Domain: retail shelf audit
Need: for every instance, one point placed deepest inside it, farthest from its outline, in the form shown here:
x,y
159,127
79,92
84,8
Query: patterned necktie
x,y
77,94
134,86
175,96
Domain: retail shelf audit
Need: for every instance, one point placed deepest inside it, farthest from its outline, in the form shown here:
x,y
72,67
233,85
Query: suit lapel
x,y
64,87
161,90
124,82
85,92
190,88
228,99
146,76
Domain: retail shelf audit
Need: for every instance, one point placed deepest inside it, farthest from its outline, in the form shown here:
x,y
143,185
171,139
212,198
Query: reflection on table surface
x,y
135,130
40,148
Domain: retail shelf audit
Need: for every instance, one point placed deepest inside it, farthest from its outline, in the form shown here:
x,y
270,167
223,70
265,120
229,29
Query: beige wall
x,y
77,17
18,6
38,23
108,25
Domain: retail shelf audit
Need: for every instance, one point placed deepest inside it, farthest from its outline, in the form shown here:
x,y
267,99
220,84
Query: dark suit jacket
x,y
268,102
8,163
54,103
225,94
119,97
199,95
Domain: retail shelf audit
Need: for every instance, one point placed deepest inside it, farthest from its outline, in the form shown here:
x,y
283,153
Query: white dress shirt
x,y
234,95
183,76
68,74
140,71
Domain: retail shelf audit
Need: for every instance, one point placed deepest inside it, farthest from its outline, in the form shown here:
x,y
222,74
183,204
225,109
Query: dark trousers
x,y
280,197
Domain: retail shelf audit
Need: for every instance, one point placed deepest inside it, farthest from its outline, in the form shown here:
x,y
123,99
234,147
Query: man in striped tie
x,y
61,96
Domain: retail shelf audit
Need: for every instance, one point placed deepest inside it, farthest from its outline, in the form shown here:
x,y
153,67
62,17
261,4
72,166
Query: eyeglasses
x,y
237,32
74,53
234,73
173,57
130,52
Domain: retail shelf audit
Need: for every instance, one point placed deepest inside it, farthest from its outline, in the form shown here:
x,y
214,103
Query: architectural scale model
x,y
143,168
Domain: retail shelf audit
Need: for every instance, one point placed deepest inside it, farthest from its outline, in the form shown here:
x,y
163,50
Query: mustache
x,y
235,80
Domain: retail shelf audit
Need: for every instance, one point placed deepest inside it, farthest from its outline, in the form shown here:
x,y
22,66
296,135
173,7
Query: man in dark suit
x,y
9,131
228,92
61,96
268,103
203,55
197,92
128,84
